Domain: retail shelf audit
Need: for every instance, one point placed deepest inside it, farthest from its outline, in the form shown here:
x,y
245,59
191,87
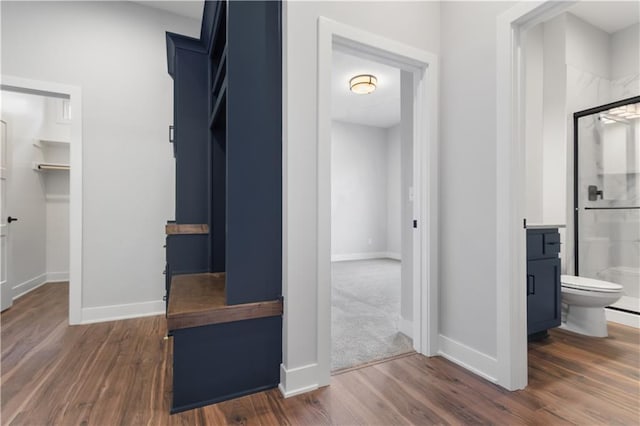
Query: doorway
x,y
422,68
36,139
511,180
48,146
371,211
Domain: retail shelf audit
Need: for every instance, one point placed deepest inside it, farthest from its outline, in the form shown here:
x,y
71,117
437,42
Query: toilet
x,y
585,299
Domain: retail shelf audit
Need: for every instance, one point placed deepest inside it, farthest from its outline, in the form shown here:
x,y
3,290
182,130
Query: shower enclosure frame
x,y
576,208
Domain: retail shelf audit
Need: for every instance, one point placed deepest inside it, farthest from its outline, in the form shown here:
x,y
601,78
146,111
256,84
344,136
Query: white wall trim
x,y
405,327
75,184
296,381
469,358
120,312
28,286
510,189
424,66
392,255
56,277
624,318
365,256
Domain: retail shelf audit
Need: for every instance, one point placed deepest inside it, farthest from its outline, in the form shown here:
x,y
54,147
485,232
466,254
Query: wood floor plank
x,y
120,373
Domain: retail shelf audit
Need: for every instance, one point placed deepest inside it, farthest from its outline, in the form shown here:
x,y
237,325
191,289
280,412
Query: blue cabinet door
x,y
543,294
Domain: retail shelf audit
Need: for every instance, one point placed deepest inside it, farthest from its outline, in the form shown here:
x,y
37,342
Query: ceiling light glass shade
x,y
625,112
363,84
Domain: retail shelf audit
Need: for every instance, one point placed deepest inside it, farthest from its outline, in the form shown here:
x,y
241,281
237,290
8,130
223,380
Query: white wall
x,y
468,180
24,115
365,192
625,62
116,52
587,47
554,148
413,23
359,202
534,89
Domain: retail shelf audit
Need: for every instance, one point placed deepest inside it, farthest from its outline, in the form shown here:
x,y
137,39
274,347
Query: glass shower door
x,y
607,198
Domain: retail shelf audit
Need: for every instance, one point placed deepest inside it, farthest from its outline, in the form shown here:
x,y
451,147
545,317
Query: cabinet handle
x,y
171,129
531,284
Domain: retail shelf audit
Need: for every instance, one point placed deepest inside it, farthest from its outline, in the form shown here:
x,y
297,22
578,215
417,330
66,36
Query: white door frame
x,y
424,66
75,181
511,188
6,292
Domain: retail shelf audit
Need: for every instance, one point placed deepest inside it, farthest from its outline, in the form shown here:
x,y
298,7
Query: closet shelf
x,y
44,167
199,299
51,142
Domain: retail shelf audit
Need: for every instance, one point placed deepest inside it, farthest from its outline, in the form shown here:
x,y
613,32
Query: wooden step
x,y
184,229
199,299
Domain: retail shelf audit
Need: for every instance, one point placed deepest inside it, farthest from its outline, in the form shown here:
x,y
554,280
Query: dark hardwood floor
x,y
119,373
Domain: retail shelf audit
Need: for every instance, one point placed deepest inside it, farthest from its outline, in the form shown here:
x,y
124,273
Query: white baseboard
x,y
405,327
296,381
624,318
393,255
119,312
469,358
29,285
56,277
365,256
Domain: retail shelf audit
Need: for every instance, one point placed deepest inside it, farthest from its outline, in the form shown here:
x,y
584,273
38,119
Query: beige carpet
x,y
365,312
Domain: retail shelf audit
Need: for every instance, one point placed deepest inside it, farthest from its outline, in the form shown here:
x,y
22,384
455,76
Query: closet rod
x,y
53,167
613,208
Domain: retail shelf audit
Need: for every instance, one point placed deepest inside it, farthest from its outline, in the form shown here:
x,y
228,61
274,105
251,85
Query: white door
x,y
6,296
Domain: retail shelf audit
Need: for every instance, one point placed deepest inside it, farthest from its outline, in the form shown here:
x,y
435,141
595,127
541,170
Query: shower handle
x,y
594,193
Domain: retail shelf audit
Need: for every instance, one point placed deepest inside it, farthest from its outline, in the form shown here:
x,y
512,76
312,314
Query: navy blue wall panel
x,y
218,200
217,362
188,253
191,136
254,152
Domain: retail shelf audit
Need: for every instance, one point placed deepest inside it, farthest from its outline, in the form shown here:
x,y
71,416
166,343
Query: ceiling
x,y
380,108
187,8
610,16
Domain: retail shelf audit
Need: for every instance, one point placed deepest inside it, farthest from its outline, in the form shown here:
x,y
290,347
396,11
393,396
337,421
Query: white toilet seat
x,y
589,284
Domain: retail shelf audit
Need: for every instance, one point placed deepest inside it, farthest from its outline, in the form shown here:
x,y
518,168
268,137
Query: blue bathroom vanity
x,y
543,280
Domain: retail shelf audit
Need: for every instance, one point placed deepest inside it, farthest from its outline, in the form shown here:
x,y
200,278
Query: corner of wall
x,y
120,312
296,381
469,358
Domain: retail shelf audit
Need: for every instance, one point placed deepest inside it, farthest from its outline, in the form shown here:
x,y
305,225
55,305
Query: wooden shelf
x,y
184,229
199,299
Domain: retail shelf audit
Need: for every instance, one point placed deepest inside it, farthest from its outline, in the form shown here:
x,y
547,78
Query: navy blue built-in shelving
x,y
224,256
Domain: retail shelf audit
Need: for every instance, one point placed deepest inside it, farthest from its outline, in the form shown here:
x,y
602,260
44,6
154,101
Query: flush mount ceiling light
x,y
626,111
363,84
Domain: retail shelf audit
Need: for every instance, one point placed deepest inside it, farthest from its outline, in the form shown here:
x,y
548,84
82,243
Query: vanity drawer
x,y
542,243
